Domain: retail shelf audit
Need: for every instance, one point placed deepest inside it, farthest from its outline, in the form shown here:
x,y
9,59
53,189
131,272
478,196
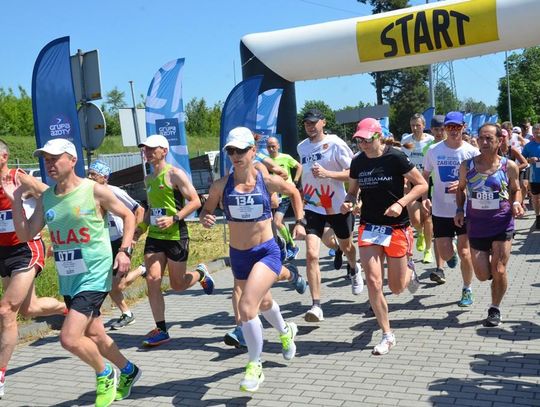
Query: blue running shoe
x,y
207,283
156,337
235,338
292,252
452,262
331,252
466,298
298,282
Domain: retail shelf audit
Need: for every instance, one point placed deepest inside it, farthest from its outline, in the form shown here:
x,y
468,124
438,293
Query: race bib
x,y
114,233
6,222
155,214
69,262
246,207
449,197
377,234
485,200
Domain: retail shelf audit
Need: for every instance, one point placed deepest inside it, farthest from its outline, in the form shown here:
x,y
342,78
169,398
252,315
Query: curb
x,y
42,326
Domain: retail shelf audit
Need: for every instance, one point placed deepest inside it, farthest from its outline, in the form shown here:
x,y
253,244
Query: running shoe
x,y
428,257
106,389
288,347
315,314
292,252
126,382
357,282
235,338
207,283
123,321
143,270
438,276
452,262
253,378
298,282
420,242
156,337
338,259
331,252
466,298
388,342
493,318
414,283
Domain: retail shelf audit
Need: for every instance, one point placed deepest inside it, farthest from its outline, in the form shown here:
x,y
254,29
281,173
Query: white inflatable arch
x,y
421,35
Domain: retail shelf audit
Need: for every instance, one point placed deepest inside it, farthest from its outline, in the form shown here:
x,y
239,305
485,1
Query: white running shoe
x,y
387,343
288,347
315,314
414,283
357,282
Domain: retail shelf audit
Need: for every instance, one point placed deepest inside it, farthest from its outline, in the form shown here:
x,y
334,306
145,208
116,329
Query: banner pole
x,y
136,124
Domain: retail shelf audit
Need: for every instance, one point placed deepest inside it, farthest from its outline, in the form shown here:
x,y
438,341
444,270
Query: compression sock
x,y
274,317
253,336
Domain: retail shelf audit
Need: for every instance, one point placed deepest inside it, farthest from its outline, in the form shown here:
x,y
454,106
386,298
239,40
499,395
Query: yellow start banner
x,y
440,28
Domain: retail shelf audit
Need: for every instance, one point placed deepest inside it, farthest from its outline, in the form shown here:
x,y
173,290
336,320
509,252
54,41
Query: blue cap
x,y
454,118
100,167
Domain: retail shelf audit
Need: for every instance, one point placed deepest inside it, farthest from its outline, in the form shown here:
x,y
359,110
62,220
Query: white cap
x,y
155,140
239,137
516,129
57,146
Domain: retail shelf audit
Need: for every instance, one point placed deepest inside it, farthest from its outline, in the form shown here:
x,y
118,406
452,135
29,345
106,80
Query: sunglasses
x,y
237,151
453,127
368,140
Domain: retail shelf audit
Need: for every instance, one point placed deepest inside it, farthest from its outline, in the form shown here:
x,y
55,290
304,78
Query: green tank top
x,y
164,200
80,238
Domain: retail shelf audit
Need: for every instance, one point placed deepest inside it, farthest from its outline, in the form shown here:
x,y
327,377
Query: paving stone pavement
x,y
443,357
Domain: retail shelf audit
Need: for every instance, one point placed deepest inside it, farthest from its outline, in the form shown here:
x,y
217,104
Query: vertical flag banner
x,y
240,109
478,119
385,126
467,118
267,111
428,115
53,101
165,112
494,118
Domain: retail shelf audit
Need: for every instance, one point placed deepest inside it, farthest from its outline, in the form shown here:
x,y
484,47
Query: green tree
x,y
445,101
114,101
524,73
381,79
331,125
16,117
471,105
202,120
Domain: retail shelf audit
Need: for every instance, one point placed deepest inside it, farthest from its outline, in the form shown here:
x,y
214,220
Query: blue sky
x,y
136,37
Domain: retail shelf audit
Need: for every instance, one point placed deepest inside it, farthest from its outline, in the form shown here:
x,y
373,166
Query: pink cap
x,y
367,128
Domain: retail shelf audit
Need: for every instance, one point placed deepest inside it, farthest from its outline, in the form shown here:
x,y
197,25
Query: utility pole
x,y
508,86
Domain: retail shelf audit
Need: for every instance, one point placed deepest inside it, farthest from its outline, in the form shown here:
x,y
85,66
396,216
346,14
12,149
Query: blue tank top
x,y
488,210
251,206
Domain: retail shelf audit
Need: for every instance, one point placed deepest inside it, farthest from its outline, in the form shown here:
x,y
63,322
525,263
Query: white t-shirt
x,y
416,155
116,224
324,195
443,164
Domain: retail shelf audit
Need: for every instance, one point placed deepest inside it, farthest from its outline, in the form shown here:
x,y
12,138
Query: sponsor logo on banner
x,y
60,126
419,32
170,129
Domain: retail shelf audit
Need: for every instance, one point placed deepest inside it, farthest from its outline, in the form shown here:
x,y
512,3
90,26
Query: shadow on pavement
x,y
508,364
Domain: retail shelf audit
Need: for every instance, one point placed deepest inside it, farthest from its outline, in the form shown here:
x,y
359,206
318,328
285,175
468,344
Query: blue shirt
x,y
532,149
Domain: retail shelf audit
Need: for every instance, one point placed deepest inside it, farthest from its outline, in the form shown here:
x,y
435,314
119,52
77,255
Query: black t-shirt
x,y
381,184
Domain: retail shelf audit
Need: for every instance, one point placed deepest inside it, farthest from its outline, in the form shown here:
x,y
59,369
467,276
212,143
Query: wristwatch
x,y
176,218
127,250
301,222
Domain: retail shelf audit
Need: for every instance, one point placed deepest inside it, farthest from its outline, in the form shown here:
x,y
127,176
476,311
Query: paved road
x,y
443,357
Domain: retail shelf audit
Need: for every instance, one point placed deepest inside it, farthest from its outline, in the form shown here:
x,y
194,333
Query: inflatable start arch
x,y
403,38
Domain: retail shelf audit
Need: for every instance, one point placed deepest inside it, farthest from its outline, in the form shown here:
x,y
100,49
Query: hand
x,y
164,222
318,171
517,210
208,221
283,174
299,232
393,210
459,219
325,197
10,186
451,188
346,207
122,262
426,204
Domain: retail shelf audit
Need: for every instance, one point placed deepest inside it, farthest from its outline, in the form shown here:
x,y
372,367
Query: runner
x,y
171,198
379,173
420,219
442,161
286,162
325,160
20,264
74,210
491,182
254,254
531,152
99,171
